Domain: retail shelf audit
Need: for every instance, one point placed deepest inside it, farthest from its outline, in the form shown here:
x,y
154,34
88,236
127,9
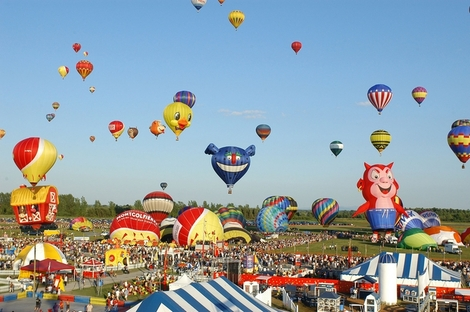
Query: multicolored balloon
x,y
158,204
49,117
263,131
325,210
178,117
230,162
63,71
84,68
236,18
336,147
185,97
198,4
92,89
379,96
419,94
197,224
285,202
430,219
81,224
296,46
34,157
380,139
460,122
272,219
116,128
231,214
157,128
458,139
134,225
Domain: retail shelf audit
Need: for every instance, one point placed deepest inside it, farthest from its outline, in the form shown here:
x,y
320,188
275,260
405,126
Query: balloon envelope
x,y
163,185
263,131
325,210
379,96
157,128
92,138
158,204
49,117
460,122
185,97
336,147
76,47
272,219
63,71
458,139
84,68
81,224
296,46
132,132
178,117
412,221
380,139
236,18
55,105
231,215
198,4
230,162
134,225
430,219
2,133
419,94
34,157
116,128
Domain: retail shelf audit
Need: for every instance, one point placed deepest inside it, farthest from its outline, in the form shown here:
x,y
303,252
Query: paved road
x,y
28,304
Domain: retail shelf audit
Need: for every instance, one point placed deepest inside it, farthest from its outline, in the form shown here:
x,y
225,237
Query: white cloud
x,y
252,114
363,103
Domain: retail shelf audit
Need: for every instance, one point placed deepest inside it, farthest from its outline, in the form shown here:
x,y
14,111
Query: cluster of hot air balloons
x,y
83,67
236,17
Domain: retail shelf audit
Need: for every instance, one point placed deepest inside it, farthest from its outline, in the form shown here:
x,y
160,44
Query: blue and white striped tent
x,y
216,295
408,267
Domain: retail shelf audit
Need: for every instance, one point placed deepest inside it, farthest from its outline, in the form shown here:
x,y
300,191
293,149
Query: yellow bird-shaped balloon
x,y
236,18
178,116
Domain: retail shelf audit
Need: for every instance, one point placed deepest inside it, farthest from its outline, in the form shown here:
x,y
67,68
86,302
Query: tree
x,y
138,205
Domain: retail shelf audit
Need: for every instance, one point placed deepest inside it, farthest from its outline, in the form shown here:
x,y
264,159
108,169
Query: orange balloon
x,y
92,138
84,68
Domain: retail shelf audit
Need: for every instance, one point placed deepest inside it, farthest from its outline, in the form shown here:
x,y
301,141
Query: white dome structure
x,y
388,279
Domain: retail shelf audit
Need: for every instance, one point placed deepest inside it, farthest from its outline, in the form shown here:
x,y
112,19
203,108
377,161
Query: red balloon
x,y
84,68
76,47
296,46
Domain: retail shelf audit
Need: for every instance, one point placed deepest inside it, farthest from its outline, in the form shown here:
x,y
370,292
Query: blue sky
x,y
143,52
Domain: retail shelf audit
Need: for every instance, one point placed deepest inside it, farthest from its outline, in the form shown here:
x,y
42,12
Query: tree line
x,y
69,206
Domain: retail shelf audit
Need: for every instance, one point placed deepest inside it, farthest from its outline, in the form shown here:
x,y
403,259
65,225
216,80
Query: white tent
x,y
216,295
184,280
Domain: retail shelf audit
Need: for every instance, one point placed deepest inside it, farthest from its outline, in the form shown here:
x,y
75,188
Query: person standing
x,y
89,307
38,305
66,279
12,287
61,305
67,306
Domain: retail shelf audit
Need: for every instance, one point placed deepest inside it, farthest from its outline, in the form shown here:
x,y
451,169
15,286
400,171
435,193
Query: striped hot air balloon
x,y
379,96
380,139
325,210
458,139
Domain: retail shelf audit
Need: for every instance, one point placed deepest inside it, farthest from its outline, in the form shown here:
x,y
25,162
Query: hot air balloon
x,y
35,206
134,225
419,94
61,156
178,116
55,105
379,96
92,138
2,133
285,202
166,229
49,117
263,131
221,1
296,46
458,139
336,147
185,97
412,221
230,162
132,132
236,18
380,139
231,215
197,224
85,53
163,185
198,4
157,128
325,210
63,71
34,157
460,122
116,128
158,204
430,219
81,224
92,89
272,219
84,68
76,47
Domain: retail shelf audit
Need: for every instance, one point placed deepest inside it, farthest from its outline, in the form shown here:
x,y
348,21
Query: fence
x,y
287,302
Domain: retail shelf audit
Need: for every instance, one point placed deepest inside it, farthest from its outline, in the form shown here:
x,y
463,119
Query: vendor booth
x,y
92,268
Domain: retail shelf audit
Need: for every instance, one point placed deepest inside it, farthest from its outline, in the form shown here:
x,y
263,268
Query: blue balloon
x,y
230,162
185,97
272,219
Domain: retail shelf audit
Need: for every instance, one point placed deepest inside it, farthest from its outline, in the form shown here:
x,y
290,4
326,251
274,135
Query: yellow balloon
x,y
63,71
380,139
178,116
2,133
236,18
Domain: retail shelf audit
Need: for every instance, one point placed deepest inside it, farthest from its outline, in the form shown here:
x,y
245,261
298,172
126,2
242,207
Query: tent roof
x,y
181,282
216,295
366,279
408,266
48,265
